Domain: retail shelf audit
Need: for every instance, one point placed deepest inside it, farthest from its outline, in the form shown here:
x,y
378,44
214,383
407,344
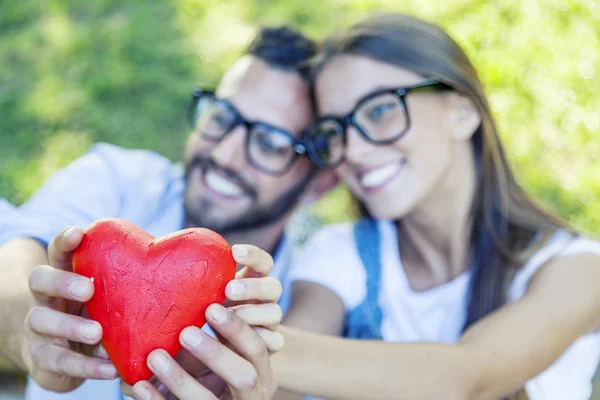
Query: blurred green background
x,y
77,72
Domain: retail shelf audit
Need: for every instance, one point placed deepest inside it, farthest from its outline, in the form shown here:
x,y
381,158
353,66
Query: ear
x,y
464,116
323,181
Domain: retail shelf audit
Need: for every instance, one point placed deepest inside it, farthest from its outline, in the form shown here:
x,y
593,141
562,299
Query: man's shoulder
x,y
307,230
122,155
132,166
302,226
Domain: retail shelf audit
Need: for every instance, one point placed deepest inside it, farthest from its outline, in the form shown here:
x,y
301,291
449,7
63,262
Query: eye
x,y
378,112
272,143
220,118
216,120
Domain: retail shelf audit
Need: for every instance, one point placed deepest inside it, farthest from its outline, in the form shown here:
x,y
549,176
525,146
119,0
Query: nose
x,y
358,149
229,152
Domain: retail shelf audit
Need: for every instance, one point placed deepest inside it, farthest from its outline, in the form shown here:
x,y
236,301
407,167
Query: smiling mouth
x,y
374,179
222,185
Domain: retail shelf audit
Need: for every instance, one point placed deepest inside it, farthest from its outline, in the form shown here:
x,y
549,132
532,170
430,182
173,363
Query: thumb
x,y
60,249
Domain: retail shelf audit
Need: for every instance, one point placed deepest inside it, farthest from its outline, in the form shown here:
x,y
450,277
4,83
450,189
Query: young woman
x,y
484,294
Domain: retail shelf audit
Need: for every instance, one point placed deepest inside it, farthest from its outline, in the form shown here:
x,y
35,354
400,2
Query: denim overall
x,y
364,321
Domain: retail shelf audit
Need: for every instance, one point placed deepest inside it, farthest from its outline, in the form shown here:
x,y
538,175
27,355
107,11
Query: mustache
x,y
205,163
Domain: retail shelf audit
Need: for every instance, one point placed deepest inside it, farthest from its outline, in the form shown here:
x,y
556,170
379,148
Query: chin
x,y
388,210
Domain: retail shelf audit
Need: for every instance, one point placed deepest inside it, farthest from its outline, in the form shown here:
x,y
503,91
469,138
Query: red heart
x,y
147,290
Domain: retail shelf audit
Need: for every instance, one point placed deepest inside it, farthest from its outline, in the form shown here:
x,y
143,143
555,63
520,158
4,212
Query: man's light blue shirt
x,y
108,181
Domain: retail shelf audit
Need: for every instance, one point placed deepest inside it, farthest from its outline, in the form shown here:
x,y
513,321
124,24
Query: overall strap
x,y
364,322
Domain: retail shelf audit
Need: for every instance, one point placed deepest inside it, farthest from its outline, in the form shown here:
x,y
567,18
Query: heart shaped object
x,y
147,290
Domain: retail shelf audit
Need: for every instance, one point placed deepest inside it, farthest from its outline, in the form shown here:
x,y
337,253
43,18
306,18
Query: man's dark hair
x,y
283,47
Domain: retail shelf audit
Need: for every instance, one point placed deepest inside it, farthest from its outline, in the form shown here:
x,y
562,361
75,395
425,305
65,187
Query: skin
x,y
58,354
431,194
260,93
250,377
38,285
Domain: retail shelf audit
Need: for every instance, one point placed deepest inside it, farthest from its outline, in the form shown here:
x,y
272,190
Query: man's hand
x,y
60,346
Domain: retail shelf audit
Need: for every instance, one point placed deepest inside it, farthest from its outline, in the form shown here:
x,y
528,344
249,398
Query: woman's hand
x,y
238,366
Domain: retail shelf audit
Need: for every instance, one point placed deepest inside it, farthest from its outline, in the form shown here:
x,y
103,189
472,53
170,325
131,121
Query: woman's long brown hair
x,y
507,225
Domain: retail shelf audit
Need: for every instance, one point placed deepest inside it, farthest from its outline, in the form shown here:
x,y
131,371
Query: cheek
x,y
269,187
429,156
346,175
429,140
190,147
196,145
272,187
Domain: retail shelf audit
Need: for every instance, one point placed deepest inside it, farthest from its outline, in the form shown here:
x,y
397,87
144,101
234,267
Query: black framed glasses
x,y
268,148
380,117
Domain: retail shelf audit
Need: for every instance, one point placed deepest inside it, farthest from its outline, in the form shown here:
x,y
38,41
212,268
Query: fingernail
x,y
68,232
235,289
162,388
240,251
280,341
102,352
192,337
160,363
108,370
219,314
79,288
141,393
89,331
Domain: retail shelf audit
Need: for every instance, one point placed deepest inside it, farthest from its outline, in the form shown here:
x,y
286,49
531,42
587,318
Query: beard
x,y
201,213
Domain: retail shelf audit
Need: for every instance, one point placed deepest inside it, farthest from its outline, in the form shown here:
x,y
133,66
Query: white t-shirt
x,y
438,314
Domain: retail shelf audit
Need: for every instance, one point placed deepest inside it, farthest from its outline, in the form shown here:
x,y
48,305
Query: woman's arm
x,y
315,309
328,279
496,357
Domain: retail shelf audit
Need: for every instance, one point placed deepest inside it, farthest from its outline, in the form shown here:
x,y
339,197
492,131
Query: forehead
x,y
269,95
347,78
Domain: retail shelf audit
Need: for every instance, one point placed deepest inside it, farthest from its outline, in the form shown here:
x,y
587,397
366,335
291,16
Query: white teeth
x,y
378,176
222,185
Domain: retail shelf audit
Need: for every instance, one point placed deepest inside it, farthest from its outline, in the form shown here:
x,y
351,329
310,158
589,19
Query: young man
x,y
245,172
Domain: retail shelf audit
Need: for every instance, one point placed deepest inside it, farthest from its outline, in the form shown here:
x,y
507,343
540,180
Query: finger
x,y
126,389
144,390
60,249
239,373
179,382
46,281
45,321
266,314
255,259
267,289
100,352
49,357
243,338
273,340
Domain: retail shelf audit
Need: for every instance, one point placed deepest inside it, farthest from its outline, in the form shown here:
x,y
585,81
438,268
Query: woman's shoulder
x,y
336,236
578,244
330,259
561,243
